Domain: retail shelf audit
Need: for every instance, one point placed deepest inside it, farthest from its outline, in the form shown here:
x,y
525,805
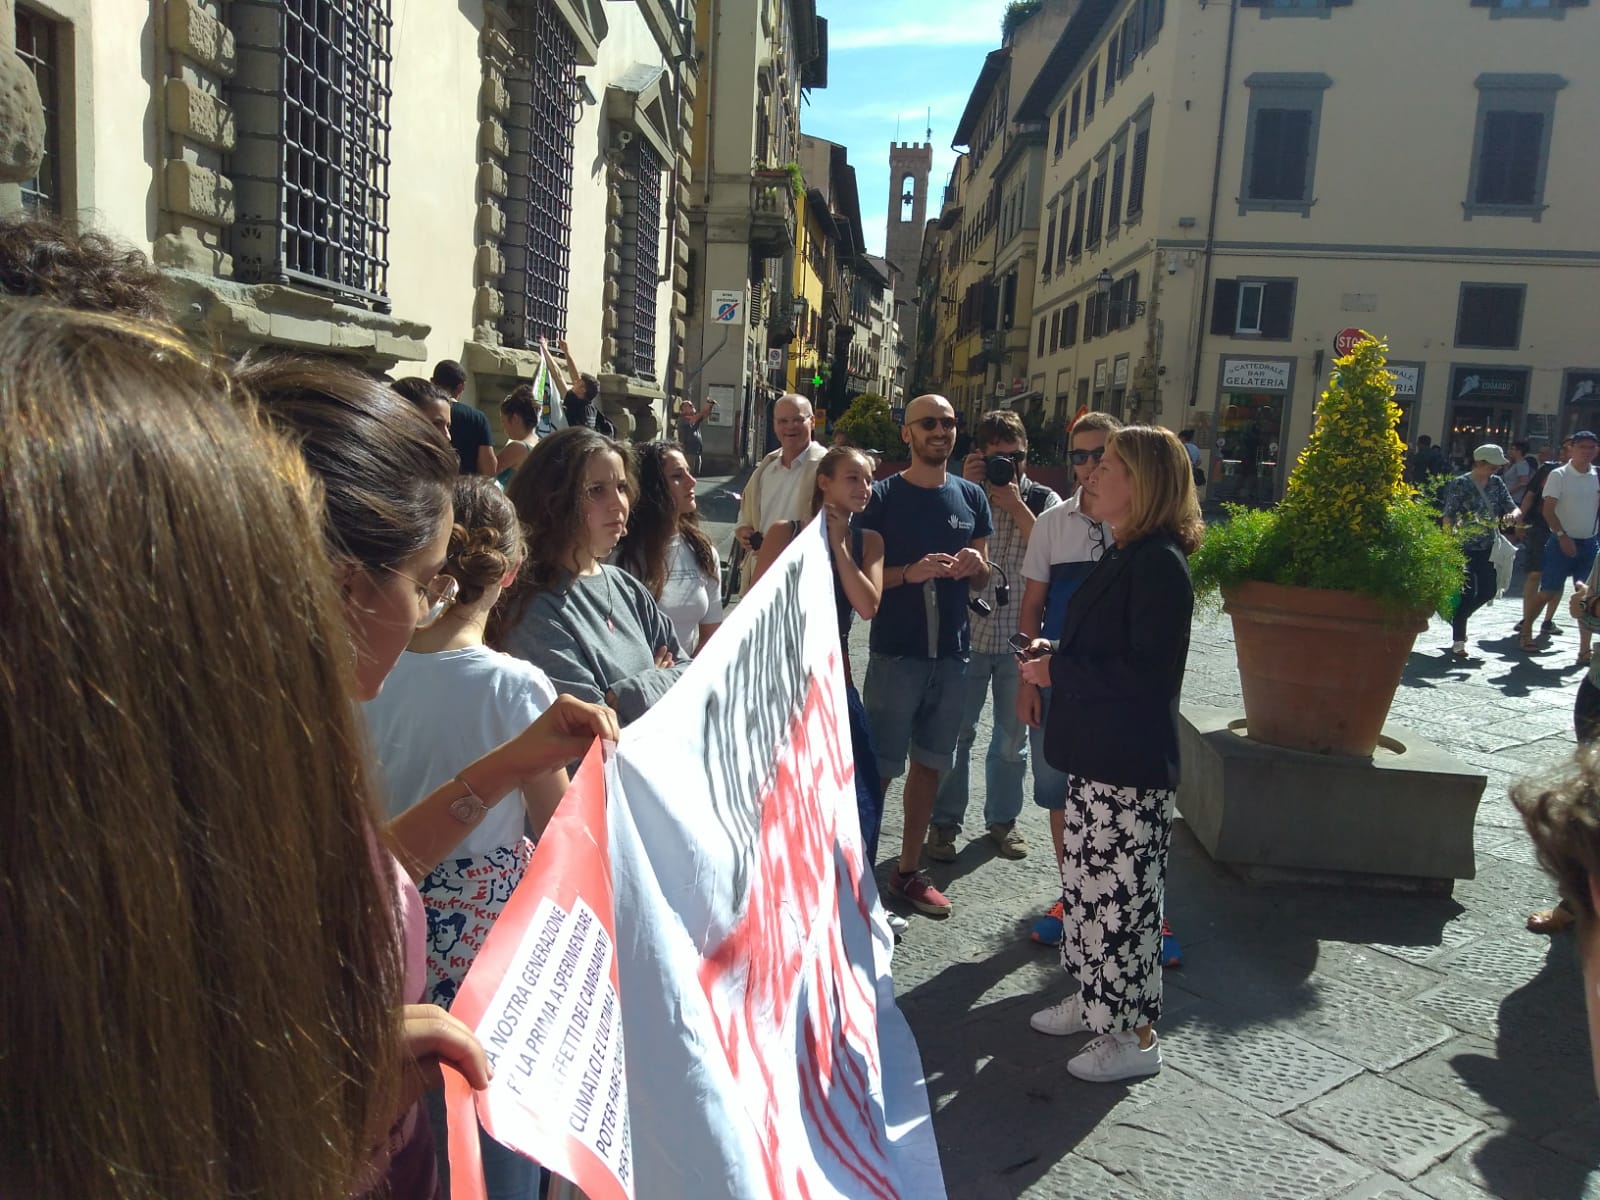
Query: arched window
x,y
908,195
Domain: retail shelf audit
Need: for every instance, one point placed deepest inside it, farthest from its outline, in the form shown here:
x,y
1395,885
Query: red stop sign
x,y
1346,341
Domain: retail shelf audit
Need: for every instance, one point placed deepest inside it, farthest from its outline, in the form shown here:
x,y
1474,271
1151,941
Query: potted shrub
x,y
1329,589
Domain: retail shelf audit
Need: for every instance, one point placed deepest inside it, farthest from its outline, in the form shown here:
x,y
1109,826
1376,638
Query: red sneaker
x,y
917,890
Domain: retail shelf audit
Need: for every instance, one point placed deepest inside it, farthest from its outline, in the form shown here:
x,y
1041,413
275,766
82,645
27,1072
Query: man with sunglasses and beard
x,y
935,529
997,464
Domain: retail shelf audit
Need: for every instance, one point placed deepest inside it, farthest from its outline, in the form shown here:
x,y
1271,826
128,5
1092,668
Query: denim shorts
x,y
914,707
1558,568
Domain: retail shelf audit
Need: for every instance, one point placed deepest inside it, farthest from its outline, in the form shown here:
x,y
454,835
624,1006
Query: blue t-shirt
x,y
927,620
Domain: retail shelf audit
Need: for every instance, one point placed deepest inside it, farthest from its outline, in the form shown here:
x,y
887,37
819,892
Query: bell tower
x,y
910,164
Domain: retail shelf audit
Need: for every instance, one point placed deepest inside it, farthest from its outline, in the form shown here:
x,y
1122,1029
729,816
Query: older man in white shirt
x,y
780,487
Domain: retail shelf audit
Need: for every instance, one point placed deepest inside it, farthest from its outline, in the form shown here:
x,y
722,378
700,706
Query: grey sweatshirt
x,y
596,634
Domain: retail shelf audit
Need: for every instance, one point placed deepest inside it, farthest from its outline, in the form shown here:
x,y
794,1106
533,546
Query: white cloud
x,y
955,32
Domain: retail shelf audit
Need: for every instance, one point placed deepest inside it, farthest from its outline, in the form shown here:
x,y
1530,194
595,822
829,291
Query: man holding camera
x,y
935,531
999,453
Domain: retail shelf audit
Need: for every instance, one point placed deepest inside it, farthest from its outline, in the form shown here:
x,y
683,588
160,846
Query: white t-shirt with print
x,y
690,597
438,713
1577,497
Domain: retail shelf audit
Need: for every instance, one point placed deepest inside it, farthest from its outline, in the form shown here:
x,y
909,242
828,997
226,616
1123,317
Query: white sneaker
x,y
1061,1020
1114,1056
897,924
1458,649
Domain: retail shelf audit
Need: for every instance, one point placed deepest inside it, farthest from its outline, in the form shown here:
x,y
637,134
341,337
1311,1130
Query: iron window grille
x,y
643,171
37,46
312,167
544,114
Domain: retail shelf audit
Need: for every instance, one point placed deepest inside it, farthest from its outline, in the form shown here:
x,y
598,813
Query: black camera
x,y
755,540
1000,469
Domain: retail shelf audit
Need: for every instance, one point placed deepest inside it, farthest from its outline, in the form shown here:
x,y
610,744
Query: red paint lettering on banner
x,y
794,900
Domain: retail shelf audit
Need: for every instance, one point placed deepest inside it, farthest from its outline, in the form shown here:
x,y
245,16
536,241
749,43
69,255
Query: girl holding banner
x,y
843,488
449,700
595,630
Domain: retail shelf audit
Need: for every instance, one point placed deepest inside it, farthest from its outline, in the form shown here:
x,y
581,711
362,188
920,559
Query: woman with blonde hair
x,y
1117,672
202,951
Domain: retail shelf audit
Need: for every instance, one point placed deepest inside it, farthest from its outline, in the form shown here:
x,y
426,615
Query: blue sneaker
x,y
1049,929
1171,952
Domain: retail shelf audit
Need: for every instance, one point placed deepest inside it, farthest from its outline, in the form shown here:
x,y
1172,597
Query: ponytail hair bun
x,y
486,541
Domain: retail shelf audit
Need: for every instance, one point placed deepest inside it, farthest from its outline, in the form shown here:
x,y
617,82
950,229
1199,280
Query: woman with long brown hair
x,y
666,549
1116,674
595,630
386,481
203,973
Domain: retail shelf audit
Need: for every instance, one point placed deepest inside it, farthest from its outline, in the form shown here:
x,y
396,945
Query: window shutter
x,y
1277,309
1055,330
1337,3
1224,305
1069,325
1141,154
1155,12
1049,245
1133,288
991,305
1115,217
1088,318
1041,336
1061,244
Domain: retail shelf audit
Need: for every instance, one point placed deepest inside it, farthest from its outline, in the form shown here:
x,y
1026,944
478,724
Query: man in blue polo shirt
x,y
935,529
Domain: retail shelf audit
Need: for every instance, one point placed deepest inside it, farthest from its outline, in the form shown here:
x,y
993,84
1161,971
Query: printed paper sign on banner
x,y
543,998
765,1055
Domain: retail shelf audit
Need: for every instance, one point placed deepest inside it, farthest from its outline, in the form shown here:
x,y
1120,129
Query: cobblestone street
x,y
1319,1042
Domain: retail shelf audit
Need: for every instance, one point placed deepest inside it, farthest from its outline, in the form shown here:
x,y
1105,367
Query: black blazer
x,y
1119,668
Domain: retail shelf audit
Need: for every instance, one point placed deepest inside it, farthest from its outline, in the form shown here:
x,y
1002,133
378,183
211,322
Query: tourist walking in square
x,y
1478,500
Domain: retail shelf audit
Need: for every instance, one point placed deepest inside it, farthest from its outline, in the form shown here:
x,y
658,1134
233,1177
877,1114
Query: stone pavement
x,y
1319,1042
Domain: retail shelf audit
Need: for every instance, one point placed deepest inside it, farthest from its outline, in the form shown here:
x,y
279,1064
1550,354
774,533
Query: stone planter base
x,y
1406,812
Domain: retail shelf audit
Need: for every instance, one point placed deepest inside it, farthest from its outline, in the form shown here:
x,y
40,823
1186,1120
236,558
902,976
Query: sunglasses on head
x,y
929,424
1079,457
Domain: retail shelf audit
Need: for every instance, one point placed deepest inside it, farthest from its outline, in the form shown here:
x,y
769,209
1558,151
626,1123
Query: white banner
x,y
718,877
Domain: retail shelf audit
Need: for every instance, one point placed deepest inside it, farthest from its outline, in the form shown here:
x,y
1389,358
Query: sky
x,y
889,62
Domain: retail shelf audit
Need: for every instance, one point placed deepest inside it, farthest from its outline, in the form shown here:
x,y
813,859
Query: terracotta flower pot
x,y
1318,668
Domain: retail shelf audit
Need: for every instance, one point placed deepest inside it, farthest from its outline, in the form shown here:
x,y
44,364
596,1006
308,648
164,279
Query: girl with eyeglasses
x,y
593,628
449,700
386,483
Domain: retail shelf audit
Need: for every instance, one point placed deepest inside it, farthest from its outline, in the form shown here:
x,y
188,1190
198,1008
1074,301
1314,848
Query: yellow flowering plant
x,y
1348,521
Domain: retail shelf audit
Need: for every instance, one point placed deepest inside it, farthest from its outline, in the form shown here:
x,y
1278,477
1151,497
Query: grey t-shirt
x,y
600,633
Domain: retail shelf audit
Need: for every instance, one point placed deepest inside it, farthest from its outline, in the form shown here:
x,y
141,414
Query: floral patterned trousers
x,y
1113,882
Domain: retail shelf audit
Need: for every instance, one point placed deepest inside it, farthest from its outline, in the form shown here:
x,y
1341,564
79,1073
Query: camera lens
x,y
999,470
755,541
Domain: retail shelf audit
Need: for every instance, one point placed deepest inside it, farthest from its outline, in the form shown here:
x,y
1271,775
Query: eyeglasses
x,y
434,598
1097,535
929,424
1079,457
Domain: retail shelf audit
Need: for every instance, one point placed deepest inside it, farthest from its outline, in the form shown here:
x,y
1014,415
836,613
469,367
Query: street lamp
x,y
1126,311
